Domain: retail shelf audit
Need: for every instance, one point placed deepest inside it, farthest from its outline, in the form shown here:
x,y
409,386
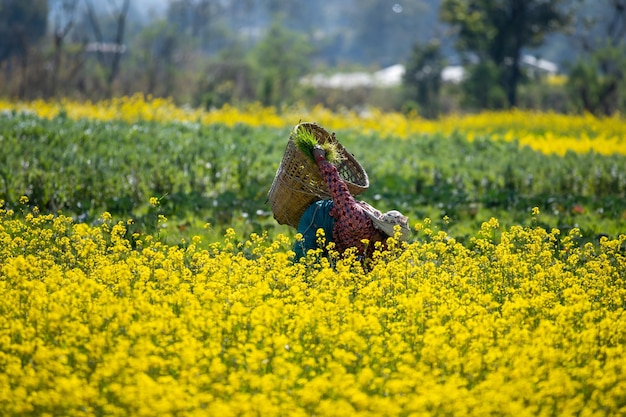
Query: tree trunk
x,y
56,64
119,39
24,78
518,20
60,33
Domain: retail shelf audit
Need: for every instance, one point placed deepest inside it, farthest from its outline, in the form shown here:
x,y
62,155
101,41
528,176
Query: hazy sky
x,y
151,4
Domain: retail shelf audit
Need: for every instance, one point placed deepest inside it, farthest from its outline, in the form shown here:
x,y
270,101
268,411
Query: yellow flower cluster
x,y
544,132
94,322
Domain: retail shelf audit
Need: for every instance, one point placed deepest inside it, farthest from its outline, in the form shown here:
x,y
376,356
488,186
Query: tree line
x,y
209,53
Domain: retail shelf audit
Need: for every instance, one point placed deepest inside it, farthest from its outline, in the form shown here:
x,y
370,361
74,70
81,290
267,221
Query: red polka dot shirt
x,y
351,223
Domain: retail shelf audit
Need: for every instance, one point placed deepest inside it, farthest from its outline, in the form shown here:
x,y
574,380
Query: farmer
x,y
345,221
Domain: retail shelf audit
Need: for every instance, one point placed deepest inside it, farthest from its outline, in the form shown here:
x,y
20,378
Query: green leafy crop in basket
x,y
305,140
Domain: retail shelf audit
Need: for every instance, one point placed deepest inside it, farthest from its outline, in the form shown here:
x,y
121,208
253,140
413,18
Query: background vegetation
x,y
206,54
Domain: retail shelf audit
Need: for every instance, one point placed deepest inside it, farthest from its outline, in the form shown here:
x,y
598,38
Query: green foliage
x,y
280,58
597,83
422,78
87,167
22,23
227,79
497,31
153,64
221,175
305,141
482,88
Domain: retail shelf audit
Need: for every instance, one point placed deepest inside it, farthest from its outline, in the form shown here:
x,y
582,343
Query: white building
x,y
392,76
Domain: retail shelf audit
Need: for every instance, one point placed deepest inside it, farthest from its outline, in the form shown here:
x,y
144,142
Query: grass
x,y
306,140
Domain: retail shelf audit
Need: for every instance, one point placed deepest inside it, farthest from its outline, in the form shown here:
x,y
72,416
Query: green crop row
x,y
221,175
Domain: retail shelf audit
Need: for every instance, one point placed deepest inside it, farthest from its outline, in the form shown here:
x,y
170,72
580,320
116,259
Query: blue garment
x,y
316,216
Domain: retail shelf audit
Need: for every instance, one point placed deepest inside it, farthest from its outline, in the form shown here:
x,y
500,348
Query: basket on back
x,y
298,182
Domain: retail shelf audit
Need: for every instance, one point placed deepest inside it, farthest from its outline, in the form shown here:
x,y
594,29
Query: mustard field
x,y
141,274
530,325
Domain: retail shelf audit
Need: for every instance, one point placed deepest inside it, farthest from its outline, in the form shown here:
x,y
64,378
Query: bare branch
x,y
119,39
95,25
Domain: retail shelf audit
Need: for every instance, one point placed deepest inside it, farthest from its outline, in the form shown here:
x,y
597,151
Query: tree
x,y
482,89
281,58
154,60
597,81
64,16
22,24
499,30
422,78
119,16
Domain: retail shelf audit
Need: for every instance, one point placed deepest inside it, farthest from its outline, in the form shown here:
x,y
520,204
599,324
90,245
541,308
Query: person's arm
x,y
344,202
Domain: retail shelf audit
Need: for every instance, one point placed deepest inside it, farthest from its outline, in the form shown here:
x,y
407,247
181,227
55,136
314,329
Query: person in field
x,y
344,220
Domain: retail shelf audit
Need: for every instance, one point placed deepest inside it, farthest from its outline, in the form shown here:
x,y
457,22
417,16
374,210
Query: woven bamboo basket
x,y
298,182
